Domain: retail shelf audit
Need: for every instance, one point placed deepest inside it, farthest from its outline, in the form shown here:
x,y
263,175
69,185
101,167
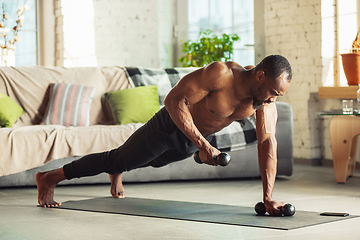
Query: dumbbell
x,y
223,159
286,210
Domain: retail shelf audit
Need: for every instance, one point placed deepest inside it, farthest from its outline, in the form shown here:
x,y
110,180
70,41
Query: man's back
x,y
226,98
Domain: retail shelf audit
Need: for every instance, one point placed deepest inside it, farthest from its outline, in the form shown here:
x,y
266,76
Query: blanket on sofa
x,y
234,137
28,144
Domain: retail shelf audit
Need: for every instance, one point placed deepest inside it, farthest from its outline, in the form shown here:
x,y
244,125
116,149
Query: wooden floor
x,y
311,188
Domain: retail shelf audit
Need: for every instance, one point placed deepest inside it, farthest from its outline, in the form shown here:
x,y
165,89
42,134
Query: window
x,y
225,16
26,47
339,28
340,22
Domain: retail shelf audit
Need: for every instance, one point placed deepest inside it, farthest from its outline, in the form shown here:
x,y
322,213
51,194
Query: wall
x,y
59,34
293,29
114,32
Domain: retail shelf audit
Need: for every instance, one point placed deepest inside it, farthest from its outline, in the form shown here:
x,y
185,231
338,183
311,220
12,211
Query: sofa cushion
x,y
10,111
133,105
69,105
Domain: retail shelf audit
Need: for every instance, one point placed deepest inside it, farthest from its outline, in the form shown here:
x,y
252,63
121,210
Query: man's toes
x,y
55,204
50,205
119,195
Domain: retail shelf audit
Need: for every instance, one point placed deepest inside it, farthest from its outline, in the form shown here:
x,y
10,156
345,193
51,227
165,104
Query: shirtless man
x,y
202,103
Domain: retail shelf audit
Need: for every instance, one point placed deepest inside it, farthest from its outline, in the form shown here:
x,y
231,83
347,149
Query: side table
x,y
344,129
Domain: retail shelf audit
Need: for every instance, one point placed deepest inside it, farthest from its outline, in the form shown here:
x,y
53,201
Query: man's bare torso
x,y
220,108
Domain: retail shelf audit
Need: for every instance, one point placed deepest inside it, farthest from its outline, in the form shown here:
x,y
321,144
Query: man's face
x,y
257,104
269,90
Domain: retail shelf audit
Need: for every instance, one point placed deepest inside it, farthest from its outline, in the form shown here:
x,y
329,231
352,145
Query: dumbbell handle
x,y
223,159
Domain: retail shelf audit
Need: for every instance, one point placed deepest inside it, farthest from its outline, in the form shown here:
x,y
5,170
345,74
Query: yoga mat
x,y
200,212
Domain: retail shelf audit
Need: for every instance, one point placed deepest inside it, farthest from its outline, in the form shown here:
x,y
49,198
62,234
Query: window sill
x,y
338,92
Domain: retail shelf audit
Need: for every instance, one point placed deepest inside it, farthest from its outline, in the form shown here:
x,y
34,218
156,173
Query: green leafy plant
x,y
208,48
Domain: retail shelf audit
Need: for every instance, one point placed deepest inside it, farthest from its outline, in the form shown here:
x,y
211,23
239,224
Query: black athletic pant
x,y
157,143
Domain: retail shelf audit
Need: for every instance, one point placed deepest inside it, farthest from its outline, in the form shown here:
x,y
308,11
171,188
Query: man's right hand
x,y
208,155
273,207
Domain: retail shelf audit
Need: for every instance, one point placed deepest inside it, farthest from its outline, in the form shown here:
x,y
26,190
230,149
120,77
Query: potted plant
x,y
208,48
351,62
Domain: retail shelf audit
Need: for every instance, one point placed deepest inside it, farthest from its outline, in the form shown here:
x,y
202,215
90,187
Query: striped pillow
x,y
69,105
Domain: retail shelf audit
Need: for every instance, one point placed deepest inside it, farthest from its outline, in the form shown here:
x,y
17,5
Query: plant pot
x,y
351,65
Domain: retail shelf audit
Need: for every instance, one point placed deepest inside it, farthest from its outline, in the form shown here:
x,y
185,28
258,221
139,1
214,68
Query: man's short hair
x,y
274,66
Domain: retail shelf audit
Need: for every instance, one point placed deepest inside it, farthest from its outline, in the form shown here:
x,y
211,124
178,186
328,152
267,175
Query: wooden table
x,y
344,130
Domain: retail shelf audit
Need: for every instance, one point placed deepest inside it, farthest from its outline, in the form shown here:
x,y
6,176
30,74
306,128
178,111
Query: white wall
x,y
293,29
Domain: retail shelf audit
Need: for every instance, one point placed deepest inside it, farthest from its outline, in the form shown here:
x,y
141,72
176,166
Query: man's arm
x,y
191,89
266,118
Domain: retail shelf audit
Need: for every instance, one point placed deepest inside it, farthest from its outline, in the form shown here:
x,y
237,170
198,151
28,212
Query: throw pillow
x,y
133,105
10,111
69,105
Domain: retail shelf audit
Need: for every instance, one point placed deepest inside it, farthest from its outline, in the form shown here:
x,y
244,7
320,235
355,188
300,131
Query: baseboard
x,y
318,162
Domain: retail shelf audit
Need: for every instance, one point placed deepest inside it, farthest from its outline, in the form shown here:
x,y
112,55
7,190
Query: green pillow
x,y
133,105
10,111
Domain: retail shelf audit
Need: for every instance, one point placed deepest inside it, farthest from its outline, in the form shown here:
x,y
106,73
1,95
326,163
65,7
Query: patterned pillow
x,y
69,105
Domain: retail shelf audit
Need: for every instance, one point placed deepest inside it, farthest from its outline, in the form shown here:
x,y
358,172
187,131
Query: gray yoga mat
x,y
200,212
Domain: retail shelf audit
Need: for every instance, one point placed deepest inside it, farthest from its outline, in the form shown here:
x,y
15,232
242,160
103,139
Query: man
x,y
202,103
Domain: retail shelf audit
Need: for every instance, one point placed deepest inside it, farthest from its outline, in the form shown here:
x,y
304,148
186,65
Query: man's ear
x,y
260,75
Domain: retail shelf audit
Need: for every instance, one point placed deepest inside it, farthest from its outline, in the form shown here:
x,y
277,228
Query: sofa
x,y
34,144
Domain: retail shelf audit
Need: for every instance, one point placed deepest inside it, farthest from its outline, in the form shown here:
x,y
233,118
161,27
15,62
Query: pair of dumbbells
x,y
223,159
286,210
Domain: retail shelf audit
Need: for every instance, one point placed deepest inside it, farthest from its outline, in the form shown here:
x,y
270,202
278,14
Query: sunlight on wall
x,y
79,33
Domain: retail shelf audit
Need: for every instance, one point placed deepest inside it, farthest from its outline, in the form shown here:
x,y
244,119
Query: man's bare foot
x,y
117,188
46,183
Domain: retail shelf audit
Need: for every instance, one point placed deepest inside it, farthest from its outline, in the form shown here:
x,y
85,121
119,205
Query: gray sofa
x,y
244,163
